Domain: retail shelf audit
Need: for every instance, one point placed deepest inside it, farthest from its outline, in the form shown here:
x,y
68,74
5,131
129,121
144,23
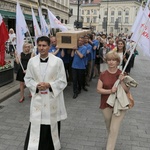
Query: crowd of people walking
x,y
96,56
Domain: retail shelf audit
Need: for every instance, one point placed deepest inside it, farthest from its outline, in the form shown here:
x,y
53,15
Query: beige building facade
x,y
90,14
124,11
60,8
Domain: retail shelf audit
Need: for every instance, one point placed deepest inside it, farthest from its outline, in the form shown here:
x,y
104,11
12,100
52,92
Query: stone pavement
x,y
85,129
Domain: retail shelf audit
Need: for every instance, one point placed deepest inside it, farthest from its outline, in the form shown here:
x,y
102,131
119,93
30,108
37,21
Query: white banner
x,y
37,31
141,35
21,28
44,27
137,20
54,22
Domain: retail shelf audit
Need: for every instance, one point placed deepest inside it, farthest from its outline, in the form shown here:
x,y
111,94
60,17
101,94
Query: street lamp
x,y
78,11
77,23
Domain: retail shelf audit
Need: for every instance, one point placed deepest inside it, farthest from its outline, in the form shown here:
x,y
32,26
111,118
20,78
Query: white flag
x,y
138,19
37,31
21,28
44,27
141,35
54,22
147,3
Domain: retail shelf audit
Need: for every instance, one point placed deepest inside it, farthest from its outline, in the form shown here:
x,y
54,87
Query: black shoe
x,y
85,89
75,96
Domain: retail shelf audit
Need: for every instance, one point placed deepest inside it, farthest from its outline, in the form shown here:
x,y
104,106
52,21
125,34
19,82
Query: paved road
x,y
84,129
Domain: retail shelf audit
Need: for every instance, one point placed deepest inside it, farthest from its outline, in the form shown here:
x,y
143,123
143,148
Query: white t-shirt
x,y
11,36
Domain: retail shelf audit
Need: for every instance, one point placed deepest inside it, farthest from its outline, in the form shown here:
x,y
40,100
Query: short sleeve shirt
x,y
108,79
79,63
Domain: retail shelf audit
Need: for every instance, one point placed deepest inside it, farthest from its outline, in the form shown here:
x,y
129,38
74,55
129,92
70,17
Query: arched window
x,y
112,13
127,12
119,13
88,12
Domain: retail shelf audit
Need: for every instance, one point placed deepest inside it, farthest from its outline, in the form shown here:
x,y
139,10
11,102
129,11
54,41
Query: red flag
x,y
3,38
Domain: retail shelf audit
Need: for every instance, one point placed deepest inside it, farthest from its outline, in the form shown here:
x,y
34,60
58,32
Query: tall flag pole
x,y
54,22
3,38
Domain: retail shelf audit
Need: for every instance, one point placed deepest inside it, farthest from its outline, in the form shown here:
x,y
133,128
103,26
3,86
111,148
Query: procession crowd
x,y
96,55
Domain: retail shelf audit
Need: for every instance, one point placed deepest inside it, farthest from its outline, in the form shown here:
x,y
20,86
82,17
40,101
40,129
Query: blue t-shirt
x,y
79,63
53,49
89,55
95,43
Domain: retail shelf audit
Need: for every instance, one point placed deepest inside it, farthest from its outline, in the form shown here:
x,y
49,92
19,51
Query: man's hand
x,y
43,86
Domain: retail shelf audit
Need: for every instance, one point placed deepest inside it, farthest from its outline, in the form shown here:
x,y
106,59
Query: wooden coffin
x,y
68,39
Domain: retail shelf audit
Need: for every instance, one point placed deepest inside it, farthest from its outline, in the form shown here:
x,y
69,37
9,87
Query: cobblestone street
x,y
85,129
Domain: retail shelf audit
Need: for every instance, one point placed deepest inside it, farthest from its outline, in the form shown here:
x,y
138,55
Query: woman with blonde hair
x,y
105,87
23,58
12,42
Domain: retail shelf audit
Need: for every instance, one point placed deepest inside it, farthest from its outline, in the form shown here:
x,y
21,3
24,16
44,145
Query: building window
x,y
94,19
126,30
126,20
62,20
88,20
88,12
70,12
127,13
119,13
119,19
112,13
105,13
111,29
65,21
95,12
112,19
82,12
58,17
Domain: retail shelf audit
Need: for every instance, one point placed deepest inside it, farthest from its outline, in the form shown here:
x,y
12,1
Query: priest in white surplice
x,y
46,79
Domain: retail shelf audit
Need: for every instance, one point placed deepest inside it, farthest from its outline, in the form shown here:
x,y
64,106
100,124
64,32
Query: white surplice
x,y
46,108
